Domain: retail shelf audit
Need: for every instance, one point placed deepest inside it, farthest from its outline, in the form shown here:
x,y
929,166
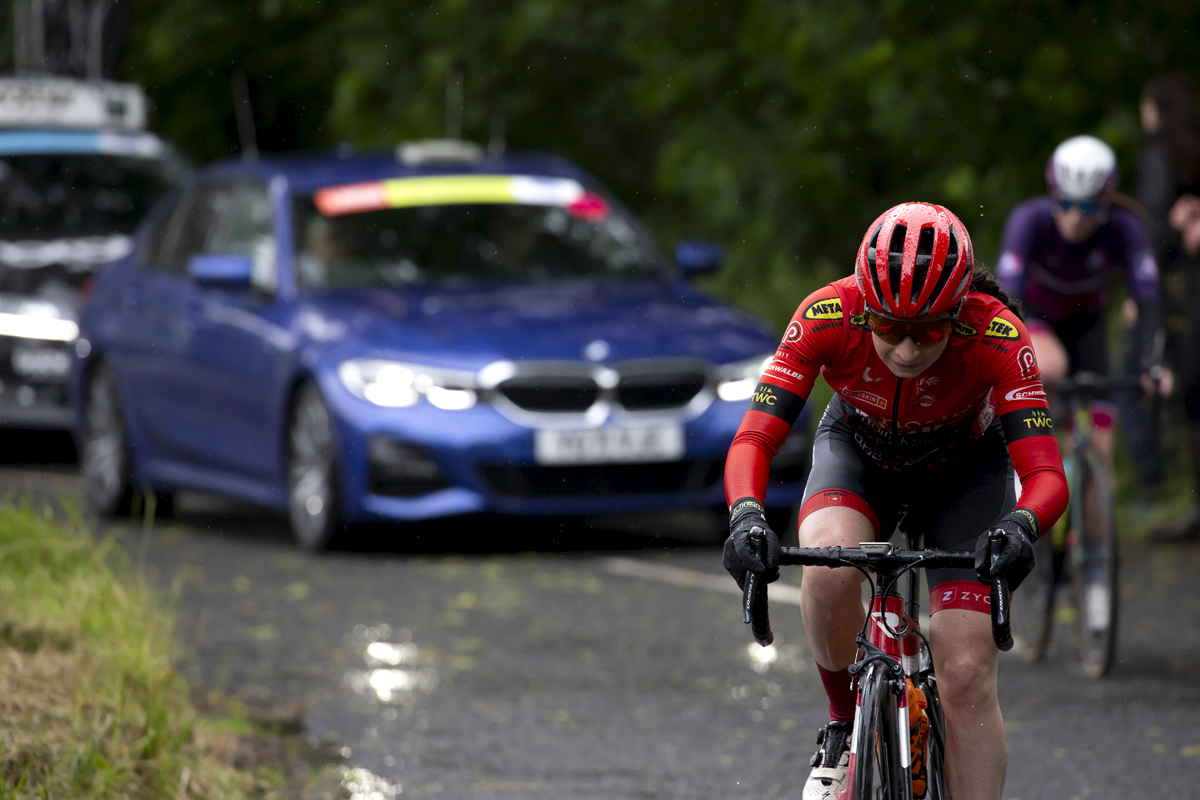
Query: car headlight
x,y
738,380
396,385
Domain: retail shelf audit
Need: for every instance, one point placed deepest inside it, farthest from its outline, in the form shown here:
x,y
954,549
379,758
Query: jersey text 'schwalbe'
x,y
1033,603
877,763
1093,505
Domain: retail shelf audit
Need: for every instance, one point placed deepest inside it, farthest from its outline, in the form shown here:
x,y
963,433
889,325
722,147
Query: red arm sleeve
x,y
808,343
1025,419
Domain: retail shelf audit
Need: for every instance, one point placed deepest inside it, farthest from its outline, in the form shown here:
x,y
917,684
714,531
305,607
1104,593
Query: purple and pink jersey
x,y
1061,280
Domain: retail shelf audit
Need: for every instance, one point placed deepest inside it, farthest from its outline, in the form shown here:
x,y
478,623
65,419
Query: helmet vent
x,y
947,270
924,259
871,261
896,260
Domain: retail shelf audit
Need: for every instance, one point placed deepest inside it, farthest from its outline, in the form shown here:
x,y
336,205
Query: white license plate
x,y
40,362
609,445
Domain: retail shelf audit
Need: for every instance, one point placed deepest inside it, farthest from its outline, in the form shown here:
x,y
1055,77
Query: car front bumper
x,y
423,462
33,384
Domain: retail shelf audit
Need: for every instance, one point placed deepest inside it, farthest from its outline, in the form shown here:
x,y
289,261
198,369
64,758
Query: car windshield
x,y
51,196
360,244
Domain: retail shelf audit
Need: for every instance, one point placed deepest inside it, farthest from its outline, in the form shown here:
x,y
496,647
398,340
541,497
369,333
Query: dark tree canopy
x,y
778,127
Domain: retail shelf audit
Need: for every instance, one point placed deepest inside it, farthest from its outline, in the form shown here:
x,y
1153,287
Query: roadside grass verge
x,y
89,703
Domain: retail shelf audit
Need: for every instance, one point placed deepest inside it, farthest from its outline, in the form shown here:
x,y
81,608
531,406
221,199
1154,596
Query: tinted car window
x,y
192,227
152,246
53,196
248,229
493,241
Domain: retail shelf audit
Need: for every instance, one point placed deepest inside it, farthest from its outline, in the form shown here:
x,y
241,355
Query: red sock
x,y
841,696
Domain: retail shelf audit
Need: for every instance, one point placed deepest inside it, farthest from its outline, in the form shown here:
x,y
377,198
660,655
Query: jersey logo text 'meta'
x,y
824,309
1000,328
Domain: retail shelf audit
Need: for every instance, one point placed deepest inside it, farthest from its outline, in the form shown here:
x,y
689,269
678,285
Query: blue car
x,y
411,336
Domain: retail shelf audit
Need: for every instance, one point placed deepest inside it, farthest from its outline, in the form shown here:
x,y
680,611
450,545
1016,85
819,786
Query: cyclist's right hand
x,y
1158,380
741,556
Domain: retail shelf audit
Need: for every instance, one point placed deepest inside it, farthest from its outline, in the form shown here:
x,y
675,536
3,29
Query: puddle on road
x,y
784,657
362,784
394,672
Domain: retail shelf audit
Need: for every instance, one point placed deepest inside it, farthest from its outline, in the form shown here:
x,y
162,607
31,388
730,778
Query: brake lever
x,y
1000,598
754,596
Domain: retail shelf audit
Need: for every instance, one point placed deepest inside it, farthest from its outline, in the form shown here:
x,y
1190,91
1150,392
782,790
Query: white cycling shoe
x,y
831,763
1097,605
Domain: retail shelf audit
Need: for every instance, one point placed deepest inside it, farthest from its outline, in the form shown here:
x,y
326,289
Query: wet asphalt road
x,y
498,659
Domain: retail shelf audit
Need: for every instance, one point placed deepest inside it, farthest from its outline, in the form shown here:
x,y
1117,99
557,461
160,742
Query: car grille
x,y
551,393
637,392
641,390
523,480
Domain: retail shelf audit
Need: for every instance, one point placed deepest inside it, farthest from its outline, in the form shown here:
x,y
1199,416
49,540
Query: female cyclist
x,y
1058,256
938,396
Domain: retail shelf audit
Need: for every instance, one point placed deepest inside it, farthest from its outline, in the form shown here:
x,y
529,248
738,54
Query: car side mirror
x,y
698,258
229,270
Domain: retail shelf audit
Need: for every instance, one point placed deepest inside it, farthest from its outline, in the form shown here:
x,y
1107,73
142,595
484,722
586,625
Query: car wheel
x,y
106,462
313,503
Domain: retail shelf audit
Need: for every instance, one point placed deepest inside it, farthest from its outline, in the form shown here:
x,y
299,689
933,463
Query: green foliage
x,y
779,127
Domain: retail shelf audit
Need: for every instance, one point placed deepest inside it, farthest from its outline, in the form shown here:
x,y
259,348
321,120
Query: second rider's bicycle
x,y
1081,550
895,665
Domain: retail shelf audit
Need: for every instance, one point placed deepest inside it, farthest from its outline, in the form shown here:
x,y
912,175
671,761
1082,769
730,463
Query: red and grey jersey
x,y
988,372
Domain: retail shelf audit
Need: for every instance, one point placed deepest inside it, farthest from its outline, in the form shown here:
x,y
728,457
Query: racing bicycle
x,y
896,663
1081,549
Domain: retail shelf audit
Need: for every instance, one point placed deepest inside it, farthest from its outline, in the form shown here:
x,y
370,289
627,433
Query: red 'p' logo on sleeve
x,y
1027,362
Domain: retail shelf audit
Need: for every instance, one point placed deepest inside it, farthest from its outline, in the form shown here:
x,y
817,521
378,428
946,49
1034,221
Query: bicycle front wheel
x,y
1033,603
1092,564
935,760
875,767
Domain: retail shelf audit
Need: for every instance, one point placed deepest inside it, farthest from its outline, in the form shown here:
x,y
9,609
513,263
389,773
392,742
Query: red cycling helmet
x,y
924,268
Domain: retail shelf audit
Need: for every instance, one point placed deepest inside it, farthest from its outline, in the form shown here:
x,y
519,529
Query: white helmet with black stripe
x,y
1082,168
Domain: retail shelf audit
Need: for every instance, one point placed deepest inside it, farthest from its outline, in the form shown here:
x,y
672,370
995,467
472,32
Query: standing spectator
x,y
1167,186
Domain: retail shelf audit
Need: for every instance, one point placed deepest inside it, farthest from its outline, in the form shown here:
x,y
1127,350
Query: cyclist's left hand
x,y
1016,552
1163,377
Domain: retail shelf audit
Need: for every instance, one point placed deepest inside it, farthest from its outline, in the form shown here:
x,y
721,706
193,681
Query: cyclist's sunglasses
x,y
922,331
1086,208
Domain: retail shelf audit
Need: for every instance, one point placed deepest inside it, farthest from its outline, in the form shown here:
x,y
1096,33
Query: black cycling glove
x,y
740,555
1015,561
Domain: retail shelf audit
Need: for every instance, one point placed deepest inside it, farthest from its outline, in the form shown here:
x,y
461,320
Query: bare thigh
x,y
1051,355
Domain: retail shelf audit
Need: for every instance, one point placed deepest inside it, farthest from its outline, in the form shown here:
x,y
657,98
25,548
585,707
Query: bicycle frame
x,y
894,638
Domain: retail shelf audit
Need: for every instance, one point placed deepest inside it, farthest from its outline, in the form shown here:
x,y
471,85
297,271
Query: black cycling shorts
x,y
952,496
1084,336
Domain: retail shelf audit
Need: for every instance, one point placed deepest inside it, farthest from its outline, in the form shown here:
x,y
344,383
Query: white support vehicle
x,y
78,171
